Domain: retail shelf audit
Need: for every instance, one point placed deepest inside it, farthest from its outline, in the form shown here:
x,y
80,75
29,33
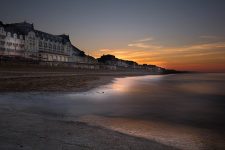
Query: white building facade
x,y
21,39
11,43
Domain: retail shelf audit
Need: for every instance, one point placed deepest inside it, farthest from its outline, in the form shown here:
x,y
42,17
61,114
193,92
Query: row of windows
x,y
15,44
50,40
9,43
49,50
12,44
10,49
55,58
50,46
15,36
54,43
32,44
32,38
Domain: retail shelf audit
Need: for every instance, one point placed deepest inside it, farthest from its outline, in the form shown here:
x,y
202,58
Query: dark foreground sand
x,y
26,131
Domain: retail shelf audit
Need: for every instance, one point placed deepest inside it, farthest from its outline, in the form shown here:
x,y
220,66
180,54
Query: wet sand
x,y
25,130
179,136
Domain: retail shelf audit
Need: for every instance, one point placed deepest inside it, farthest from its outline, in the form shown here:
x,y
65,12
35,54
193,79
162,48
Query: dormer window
x,y
8,34
21,37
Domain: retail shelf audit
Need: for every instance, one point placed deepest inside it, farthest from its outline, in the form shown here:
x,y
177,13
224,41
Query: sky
x,y
176,34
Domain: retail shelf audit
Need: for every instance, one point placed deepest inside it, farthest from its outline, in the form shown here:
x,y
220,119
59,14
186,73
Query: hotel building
x,y
21,39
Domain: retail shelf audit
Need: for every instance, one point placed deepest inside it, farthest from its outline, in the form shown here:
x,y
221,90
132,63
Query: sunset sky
x,y
176,34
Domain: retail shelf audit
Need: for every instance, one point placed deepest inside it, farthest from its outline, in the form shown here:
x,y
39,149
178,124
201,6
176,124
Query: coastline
x,y
26,129
29,120
58,81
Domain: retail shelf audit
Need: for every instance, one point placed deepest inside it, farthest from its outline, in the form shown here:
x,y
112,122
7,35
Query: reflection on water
x,y
187,105
196,100
132,84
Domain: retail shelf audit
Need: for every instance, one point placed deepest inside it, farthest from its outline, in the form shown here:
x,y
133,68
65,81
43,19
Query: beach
x,y
112,75
24,129
110,110
15,78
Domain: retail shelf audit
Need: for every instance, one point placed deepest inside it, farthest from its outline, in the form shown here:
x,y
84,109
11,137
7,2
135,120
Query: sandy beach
x,y
112,75
61,109
15,78
22,129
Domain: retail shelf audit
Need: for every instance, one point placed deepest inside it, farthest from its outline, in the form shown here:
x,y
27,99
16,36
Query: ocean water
x,y
184,110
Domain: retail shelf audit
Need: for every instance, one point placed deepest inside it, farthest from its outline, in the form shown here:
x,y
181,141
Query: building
x,y
12,42
113,61
79,56
22,39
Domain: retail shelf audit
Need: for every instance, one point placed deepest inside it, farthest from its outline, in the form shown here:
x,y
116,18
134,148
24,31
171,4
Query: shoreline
x,y
39,128
29,121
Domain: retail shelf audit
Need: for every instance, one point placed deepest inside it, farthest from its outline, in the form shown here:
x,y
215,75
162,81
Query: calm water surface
x,y
194,99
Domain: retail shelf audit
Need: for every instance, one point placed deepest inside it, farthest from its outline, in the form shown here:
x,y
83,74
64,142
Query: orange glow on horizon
x,y
200,57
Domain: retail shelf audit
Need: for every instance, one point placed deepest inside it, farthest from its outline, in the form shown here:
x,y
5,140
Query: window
x,y
50,46
2,43
1,29
2,37
21,46
40,44
15,44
